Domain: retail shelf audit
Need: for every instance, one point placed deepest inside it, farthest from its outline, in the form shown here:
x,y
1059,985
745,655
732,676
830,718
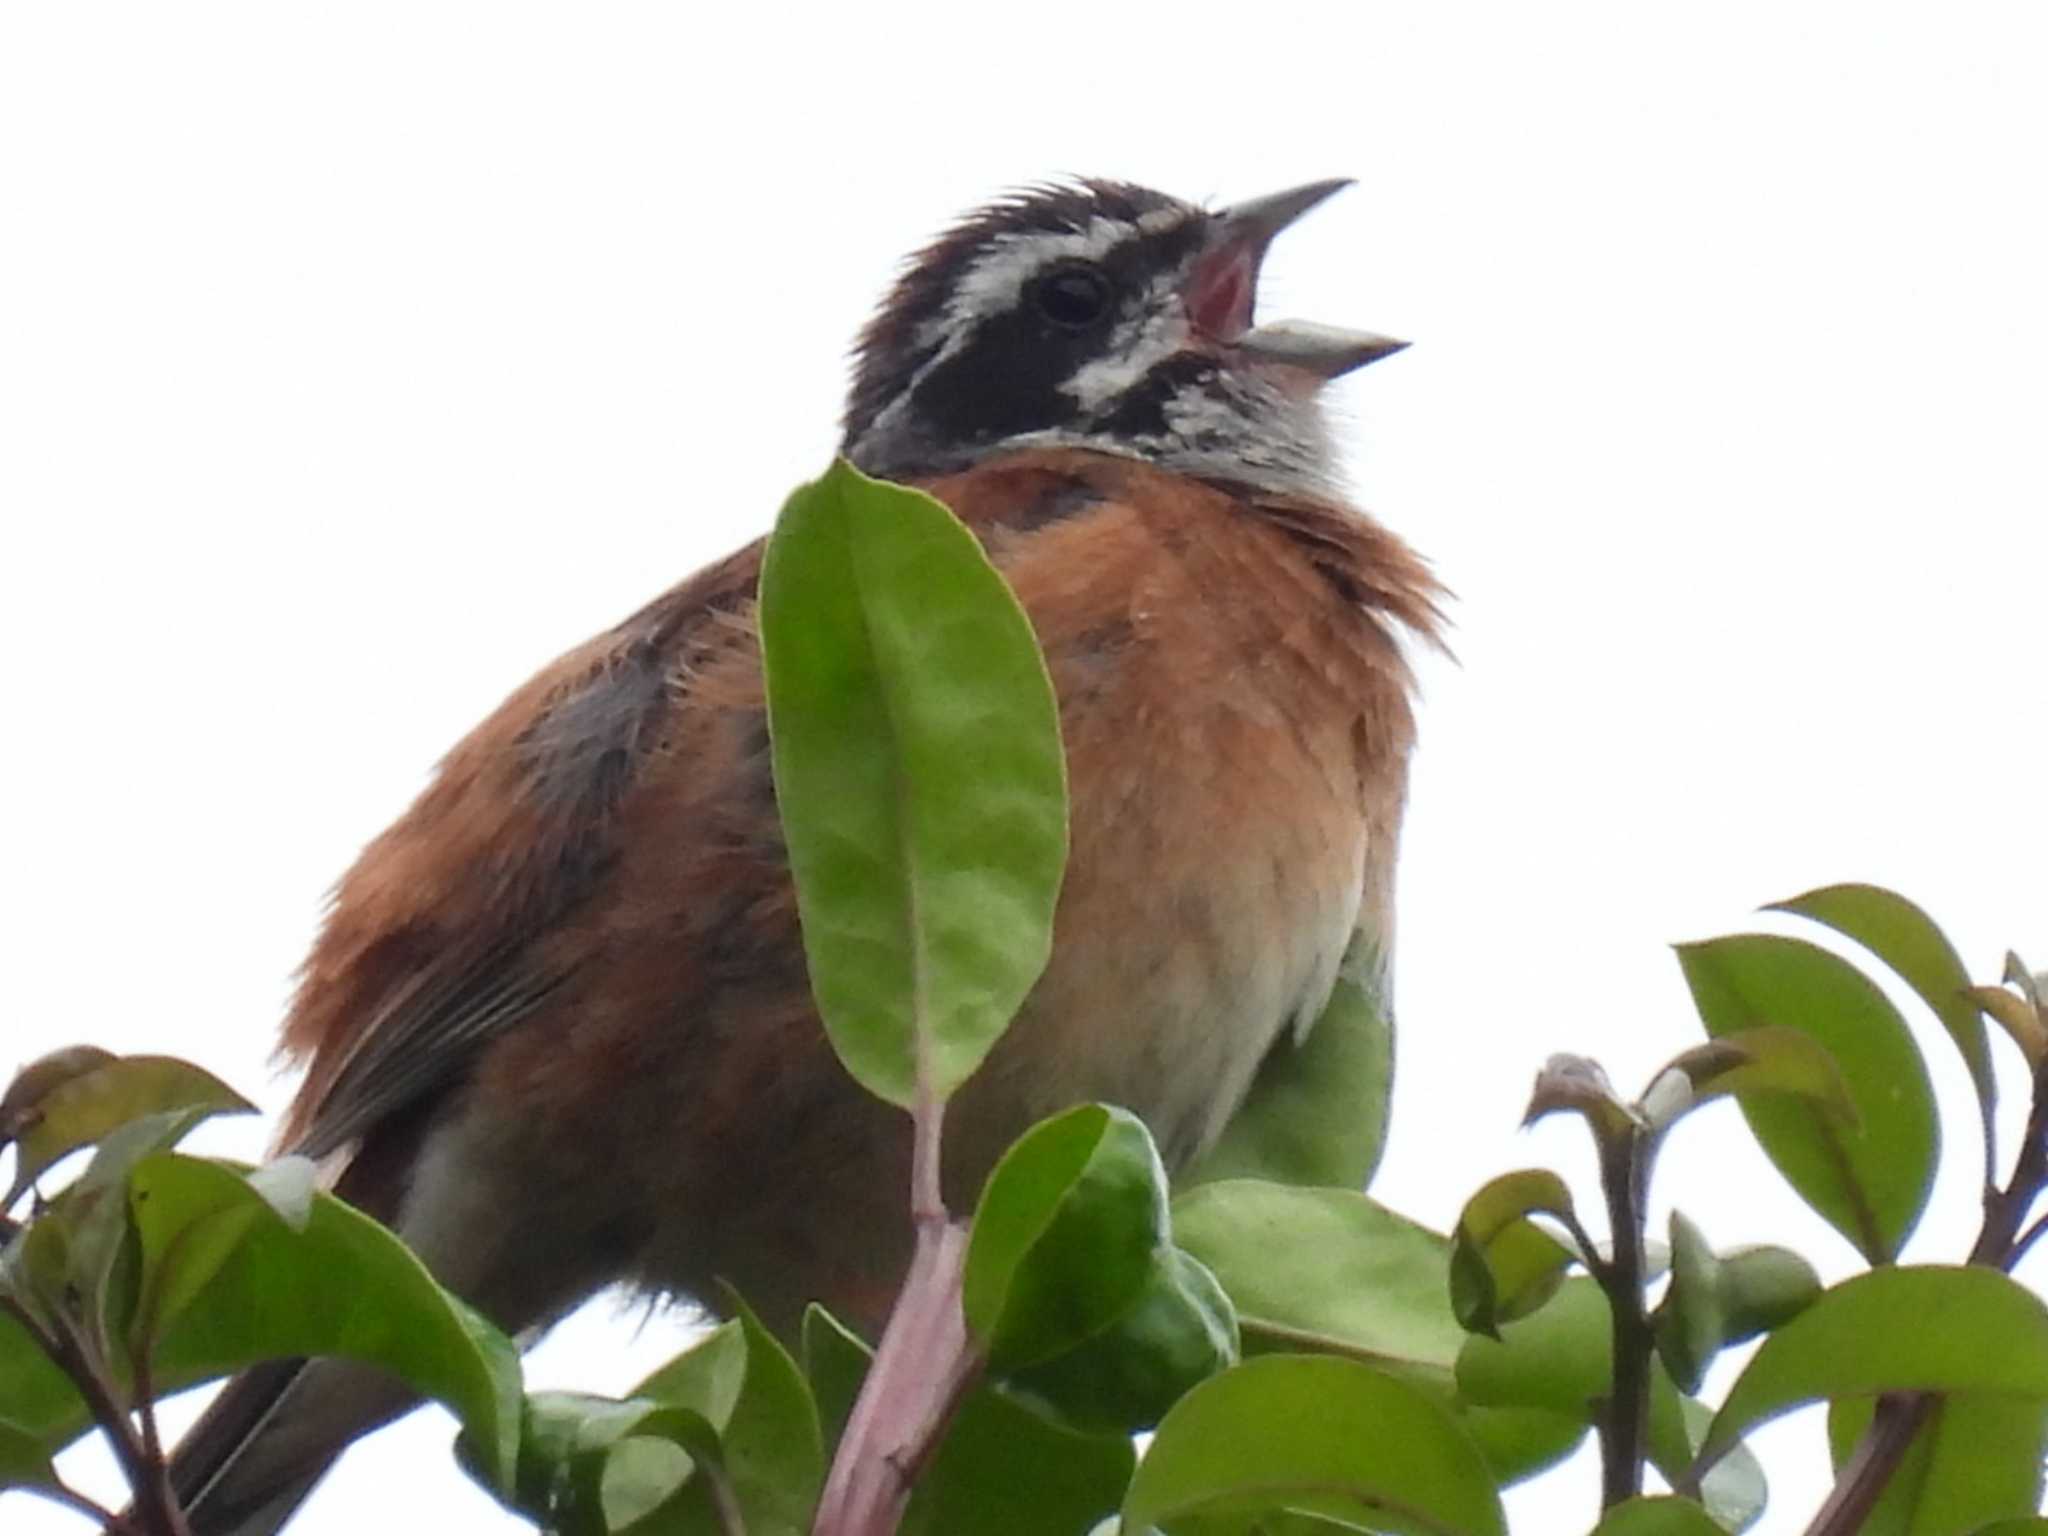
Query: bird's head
x,y
1100,315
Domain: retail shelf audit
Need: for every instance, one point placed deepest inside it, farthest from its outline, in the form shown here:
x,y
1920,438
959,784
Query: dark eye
x,y
1074,295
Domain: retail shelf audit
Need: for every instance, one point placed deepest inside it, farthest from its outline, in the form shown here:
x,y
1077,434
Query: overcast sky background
x,y
354,361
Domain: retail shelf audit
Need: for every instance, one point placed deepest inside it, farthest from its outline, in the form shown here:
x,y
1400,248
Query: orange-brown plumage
x,y
557,1030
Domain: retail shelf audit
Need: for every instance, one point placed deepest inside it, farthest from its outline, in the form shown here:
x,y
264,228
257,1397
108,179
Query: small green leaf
x,y
835,1362
1763,1287
1661,1515
919,774
1317,1435
1976,1458
1924,1329
1317,1111
1503,1266
1064,1235
1689,1322
748,1390
76,1097
1906,939
1180,1331
1870,1183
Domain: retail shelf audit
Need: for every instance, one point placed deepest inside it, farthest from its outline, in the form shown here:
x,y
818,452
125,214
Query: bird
x,y
556,1029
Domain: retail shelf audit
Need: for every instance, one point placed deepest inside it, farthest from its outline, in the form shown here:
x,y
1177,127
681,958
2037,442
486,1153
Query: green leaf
x,y
919,774
1975,1459
1180,1331
1871,1183
24,1463
280,1294
1734,1491
1770,1059
75,1097
1322,1436
835,1362
1689,1322
754,1399
1906,939
1331,1270
1503,1266
1763,1287
1326,1269
1004,1470
1317,1111
1662,1515
1064,1235
1925,1329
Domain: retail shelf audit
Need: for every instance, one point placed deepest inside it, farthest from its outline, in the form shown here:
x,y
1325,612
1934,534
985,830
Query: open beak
x,y
1223,290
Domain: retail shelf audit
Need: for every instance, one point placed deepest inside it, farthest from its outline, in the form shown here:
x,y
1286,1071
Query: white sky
x,y
356,360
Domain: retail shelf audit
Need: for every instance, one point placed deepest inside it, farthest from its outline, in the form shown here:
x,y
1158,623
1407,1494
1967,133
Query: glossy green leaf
x,y
75,1097
1323,1436
1661,1515
1003,1468
2031,1526
919,775
1317,1111
580,1469
1932,1329
1975,1459
1907,939
1181,1330
1870,1182
1503,1266
1064,1235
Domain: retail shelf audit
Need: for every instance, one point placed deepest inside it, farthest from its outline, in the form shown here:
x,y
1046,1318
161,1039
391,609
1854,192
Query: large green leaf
x,y
1906,939
1328,1270
919,775
1932,1329
1317,1112
280,1293
1976,1458
1319,1435
1870,1180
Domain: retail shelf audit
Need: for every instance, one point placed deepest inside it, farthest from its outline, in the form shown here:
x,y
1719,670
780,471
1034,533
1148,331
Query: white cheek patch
x,y
1135,348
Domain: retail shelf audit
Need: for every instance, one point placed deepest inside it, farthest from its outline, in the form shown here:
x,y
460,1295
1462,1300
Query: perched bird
x,y
556,1029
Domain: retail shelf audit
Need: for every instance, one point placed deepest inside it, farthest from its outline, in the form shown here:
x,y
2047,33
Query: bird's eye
x,y
1074,295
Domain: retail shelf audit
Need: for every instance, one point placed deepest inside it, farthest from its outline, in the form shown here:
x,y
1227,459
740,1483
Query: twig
x,y
1624,1427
